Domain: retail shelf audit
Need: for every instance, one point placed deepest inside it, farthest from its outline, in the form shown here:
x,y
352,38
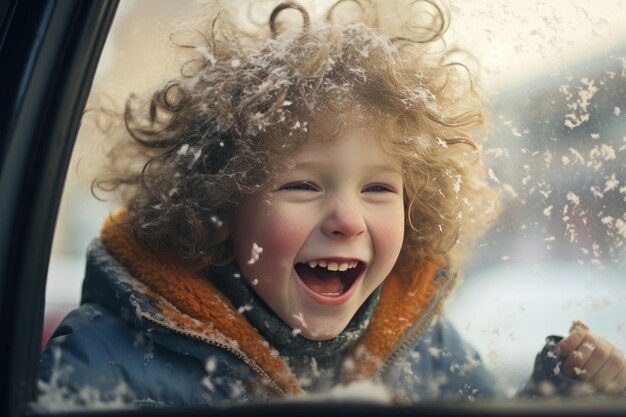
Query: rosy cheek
x,y
389,235
284,235
278,235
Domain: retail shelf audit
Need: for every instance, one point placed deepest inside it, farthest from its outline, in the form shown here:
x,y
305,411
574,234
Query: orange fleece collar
x,y
193,304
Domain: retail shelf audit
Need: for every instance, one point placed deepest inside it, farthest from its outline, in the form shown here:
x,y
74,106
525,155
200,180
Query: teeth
x,y
334,266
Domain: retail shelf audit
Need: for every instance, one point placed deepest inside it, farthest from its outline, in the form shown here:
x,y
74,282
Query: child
x,y
295,208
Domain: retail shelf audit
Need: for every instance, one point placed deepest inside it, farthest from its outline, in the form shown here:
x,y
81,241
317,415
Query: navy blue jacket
x,y
126,344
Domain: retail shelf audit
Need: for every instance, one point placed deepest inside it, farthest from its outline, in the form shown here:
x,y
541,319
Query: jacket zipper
x,y
409,337
237,353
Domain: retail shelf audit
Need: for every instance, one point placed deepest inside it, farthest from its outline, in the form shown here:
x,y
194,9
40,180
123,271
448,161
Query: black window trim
x,y
49,51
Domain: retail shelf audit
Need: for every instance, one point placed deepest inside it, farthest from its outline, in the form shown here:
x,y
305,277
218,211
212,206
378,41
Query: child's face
x,y
319,242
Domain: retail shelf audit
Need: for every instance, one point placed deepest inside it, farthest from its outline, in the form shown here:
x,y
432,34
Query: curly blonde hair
x,y
214,134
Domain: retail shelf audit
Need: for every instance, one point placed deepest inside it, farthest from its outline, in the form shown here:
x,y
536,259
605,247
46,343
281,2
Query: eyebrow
x,y
373,167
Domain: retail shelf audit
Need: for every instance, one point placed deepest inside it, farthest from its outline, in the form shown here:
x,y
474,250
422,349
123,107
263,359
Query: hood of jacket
x,y
187,303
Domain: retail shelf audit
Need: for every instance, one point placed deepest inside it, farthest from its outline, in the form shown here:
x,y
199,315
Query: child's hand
x,y
593,359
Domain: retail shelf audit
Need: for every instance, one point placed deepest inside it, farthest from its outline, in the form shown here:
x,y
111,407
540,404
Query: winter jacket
x,y
150,333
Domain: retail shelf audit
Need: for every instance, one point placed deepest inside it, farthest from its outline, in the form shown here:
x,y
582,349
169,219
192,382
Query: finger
x,y
617,384
578,325
608,370
573,340
600,350
576,361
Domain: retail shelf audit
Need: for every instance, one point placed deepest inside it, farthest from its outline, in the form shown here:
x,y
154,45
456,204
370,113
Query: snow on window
x,y
555,150
255,253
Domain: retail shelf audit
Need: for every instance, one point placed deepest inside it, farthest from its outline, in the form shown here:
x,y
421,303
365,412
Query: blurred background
x,y
555,73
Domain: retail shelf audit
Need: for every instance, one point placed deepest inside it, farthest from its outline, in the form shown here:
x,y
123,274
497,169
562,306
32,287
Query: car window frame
x,y
49,51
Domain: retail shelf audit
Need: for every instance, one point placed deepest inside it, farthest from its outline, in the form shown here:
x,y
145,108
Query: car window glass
x,y
555,77
556,151
137,55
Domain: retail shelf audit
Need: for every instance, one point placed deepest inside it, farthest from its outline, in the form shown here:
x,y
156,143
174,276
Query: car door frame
x,y
49,51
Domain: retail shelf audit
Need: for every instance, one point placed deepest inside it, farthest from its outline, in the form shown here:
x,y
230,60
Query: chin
x,y
321,334
319,337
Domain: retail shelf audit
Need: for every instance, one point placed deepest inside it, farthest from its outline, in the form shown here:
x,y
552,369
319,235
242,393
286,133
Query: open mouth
x,y
329,278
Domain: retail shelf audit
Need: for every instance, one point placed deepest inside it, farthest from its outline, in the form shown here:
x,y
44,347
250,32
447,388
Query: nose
x,y
344,219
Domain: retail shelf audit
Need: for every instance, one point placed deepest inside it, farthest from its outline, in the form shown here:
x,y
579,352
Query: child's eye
x,y
377,188
299,186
